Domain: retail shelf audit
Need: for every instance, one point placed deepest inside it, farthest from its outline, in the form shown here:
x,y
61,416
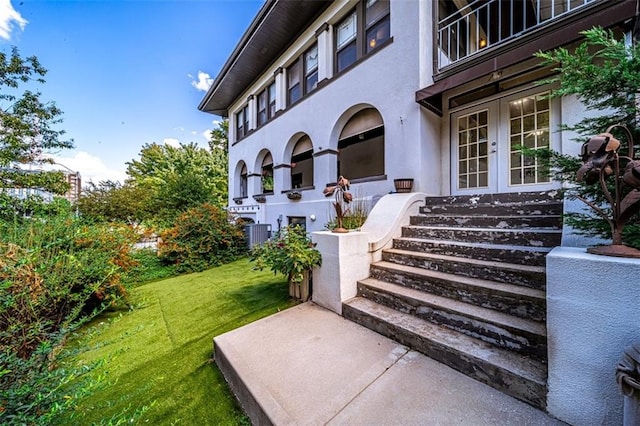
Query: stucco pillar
x,y
345,260
325,167
325,52
281,89
592,316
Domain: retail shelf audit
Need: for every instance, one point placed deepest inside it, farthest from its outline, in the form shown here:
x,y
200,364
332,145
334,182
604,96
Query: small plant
x,y
342,198
291,253
355,217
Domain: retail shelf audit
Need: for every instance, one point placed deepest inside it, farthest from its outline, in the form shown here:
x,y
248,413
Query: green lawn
x,y
159,354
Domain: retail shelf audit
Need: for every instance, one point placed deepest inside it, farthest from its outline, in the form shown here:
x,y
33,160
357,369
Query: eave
x,y
277,24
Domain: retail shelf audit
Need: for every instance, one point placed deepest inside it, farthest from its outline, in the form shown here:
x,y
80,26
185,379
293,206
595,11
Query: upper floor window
x,y
302,75
354,40
242,122
266,104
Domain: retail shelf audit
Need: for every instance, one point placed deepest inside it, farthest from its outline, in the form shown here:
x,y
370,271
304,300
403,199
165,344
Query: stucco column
x,y
281,89
281,178
325,167
325,52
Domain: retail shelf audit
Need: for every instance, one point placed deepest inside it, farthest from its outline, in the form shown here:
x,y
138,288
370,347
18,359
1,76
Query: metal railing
x,y
481,24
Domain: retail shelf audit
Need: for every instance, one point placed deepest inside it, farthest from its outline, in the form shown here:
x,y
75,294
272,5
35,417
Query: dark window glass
x,y
272,99
262,108
293,80
378,34
311,69
362,155
240,124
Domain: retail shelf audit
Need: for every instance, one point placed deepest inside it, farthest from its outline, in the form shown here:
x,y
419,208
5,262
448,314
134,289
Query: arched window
x,y
361,146
302,163
243,180
267,174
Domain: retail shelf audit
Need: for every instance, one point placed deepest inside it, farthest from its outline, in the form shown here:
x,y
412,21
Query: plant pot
x,y
403,185
301,290
294,195
260,198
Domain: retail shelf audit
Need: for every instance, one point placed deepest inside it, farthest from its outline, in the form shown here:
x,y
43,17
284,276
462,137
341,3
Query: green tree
x,y
27,126
603,72
179,178
114,202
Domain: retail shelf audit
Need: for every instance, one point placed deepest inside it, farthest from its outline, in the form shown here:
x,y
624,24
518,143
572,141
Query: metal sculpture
x,y
342,194
602,161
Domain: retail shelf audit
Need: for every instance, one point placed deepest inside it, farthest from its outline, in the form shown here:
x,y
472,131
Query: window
x,y
293,82
262,108
302,164
243,181
267,174
304,69
272,99
354,40
311,69
361,146
266,104
242,122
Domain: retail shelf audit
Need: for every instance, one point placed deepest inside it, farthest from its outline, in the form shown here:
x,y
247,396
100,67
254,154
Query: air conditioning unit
x,y
257,233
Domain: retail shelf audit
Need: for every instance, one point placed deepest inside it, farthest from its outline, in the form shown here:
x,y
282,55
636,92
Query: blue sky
x,y
125,73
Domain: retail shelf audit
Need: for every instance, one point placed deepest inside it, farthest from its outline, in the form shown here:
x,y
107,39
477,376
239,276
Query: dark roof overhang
x,y
275,27
605,14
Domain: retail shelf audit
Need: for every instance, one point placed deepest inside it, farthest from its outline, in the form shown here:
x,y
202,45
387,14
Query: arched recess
x,y
361,145
264,164
240,177
302,163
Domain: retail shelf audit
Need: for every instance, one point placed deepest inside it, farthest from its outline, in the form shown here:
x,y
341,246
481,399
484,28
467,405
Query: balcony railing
x,y
468,29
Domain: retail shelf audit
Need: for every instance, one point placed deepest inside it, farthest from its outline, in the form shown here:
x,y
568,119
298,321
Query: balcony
x,y
469,28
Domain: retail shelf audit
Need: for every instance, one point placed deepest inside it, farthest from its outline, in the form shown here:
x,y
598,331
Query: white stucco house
x,y
442,92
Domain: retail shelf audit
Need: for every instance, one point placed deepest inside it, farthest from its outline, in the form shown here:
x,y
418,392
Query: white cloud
x,y
172,142
9,16
203,83
91,168
207,134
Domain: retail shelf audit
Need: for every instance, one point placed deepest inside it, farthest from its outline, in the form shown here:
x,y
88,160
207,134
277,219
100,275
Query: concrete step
x,y
506,331
514,374
516,254
526,275
481,221
536,197
520,237
516,209
520,301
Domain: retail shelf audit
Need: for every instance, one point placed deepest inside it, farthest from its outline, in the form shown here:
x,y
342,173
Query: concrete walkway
x,y
309,366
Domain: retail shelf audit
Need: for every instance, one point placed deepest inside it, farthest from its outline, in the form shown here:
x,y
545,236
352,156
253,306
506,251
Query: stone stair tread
x,y
520,365
479,245
492,285
497,216
464,309
486,263
510,230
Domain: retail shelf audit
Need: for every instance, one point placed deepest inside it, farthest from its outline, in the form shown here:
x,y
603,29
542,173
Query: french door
x,y
487,142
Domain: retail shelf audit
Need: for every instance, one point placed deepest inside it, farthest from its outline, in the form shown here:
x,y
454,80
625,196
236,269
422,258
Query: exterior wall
x,y
386,80
592,316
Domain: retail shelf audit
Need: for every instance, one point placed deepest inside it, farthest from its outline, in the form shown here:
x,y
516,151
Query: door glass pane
x,y
529,128
473,160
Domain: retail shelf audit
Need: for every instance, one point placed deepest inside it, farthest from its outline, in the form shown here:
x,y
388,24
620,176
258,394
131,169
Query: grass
x,y
159,354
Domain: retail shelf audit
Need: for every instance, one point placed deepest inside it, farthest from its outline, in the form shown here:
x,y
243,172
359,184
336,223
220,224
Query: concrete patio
x,y
309,366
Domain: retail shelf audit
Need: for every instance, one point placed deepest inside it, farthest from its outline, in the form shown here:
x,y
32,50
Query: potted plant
x,y
342,195
291,253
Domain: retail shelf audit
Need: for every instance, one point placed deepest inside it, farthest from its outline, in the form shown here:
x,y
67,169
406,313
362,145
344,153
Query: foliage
x,y
110,201
54,273
160,354
177,179
220,136
202,237
603,72
148,267
27,126
290,253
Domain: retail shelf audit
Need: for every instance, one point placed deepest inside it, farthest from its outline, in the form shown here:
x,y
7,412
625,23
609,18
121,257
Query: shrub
x,y
202,237
290,253
54,273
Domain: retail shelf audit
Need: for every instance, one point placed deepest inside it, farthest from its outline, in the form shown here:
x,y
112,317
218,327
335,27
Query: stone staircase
x,y
465,285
